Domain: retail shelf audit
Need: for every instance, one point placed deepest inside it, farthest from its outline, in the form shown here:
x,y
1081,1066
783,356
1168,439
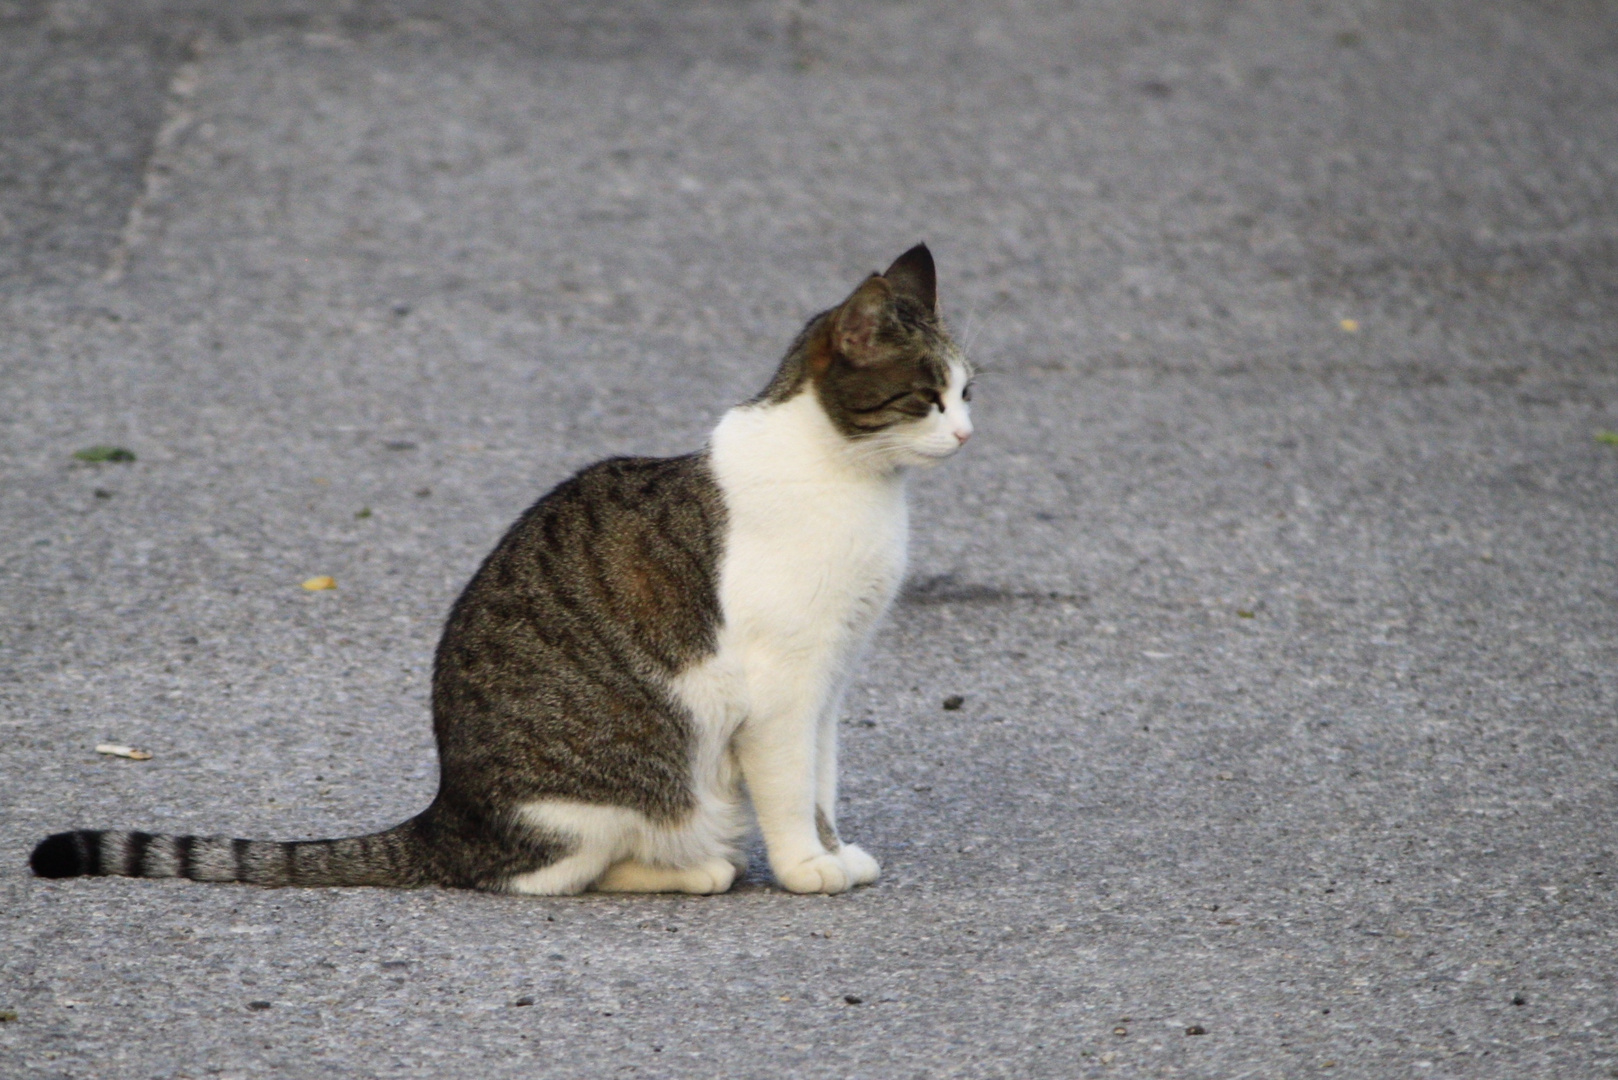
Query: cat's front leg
x,y
777,748
861,868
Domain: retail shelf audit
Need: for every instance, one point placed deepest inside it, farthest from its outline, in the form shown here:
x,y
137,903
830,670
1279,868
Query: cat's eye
x,y
966,393
919,402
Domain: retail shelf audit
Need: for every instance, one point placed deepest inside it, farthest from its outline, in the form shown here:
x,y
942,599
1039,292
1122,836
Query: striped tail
x,y
391,858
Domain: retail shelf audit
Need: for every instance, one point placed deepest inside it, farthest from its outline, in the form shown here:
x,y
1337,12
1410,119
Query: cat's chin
x,y
903,458
925,457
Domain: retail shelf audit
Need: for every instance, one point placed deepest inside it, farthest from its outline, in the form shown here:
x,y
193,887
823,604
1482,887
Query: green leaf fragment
x,y
105,453
1608,437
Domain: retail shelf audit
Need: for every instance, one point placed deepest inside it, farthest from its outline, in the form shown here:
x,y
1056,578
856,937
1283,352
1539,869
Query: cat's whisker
x,y
977,324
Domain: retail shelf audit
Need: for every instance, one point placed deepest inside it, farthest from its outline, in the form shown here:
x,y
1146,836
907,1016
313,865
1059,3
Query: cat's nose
x,y
962,434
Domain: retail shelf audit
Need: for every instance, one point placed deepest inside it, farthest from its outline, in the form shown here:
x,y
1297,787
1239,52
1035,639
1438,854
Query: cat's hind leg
x,y
593,836
714,875
565,877
695,855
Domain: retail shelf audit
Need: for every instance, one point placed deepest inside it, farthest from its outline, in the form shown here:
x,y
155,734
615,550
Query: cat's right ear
x,y
854,326
912,274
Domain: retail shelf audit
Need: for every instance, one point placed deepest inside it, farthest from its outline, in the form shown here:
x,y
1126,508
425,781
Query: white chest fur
x,y
815,544
814,552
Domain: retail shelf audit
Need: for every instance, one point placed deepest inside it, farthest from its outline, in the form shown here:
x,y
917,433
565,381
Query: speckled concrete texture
x,y
1280,583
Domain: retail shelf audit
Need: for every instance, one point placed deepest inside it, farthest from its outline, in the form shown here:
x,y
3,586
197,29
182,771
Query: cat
x,y
653,636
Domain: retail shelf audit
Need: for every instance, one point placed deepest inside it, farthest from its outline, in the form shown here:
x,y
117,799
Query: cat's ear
x,y
854,326
912,275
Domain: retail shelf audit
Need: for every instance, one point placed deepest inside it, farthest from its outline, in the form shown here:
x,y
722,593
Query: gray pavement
x,y
1281,582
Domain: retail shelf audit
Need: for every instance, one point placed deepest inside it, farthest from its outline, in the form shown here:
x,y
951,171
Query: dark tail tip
x,y
62,855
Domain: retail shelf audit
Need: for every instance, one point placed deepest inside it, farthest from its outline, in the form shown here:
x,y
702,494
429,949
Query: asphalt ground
x,y
1280,584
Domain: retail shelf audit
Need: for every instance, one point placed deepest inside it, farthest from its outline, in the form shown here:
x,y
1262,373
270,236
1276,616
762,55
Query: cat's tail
x,y
392,858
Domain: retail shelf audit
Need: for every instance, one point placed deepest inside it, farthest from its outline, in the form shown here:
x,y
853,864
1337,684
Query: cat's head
x,y
885,370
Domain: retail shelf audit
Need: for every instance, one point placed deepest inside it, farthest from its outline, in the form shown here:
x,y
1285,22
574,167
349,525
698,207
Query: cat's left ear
x,y
857,319
912,275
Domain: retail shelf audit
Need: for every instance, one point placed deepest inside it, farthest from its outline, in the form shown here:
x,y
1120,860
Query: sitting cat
x,y
650,636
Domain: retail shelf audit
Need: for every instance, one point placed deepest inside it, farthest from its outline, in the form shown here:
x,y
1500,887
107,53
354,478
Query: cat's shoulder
x,y
630,482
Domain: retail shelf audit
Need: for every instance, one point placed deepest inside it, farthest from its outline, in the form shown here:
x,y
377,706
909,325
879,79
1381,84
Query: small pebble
x,y
1196,1029
953,702
852,1000
522,1001
258,1006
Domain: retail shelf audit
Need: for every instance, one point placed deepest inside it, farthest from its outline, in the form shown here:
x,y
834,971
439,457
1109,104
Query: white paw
x,y
713,876
821,873
861,866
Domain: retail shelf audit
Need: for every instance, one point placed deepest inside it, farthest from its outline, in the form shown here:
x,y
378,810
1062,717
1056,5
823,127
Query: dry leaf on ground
x,y
115,750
